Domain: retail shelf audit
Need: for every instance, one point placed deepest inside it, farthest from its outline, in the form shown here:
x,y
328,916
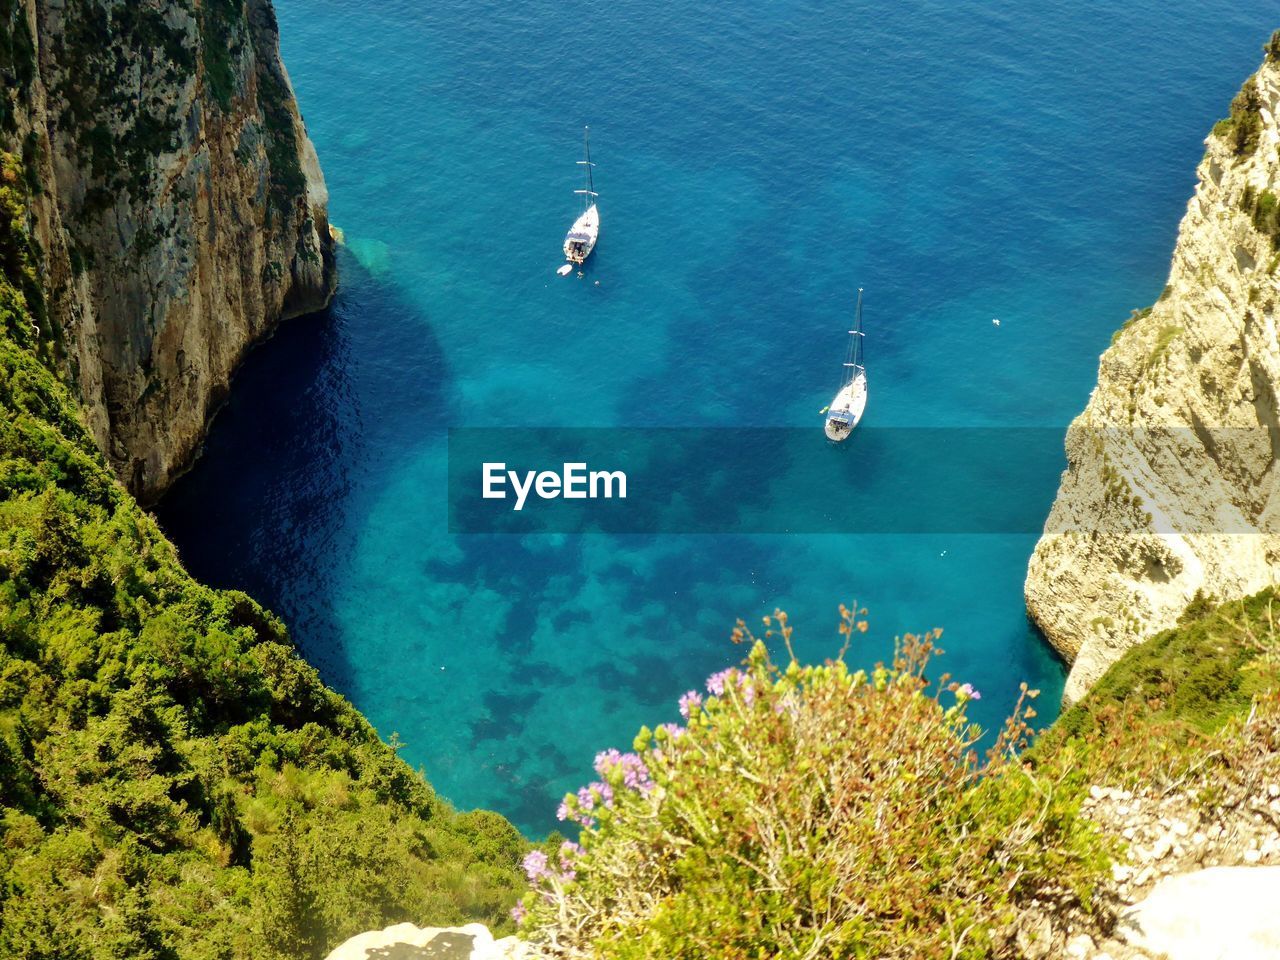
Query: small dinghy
x,y
582,236
851,399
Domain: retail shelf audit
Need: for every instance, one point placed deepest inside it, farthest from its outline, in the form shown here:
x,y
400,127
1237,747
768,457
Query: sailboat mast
x,y
858,336
589,194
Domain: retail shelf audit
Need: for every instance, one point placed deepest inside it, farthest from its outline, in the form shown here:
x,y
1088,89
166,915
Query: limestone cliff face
x,y
181,210
1146,517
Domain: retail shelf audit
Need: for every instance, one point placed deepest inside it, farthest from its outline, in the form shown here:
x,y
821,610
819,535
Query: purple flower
x,y
720,683
606,760
716,682
576,809
674,730
518,912
635,775
689,703
966,692
587,796
535,865
568,851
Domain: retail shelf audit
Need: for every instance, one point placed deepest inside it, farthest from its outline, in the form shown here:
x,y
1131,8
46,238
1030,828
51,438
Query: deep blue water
x,y
756,162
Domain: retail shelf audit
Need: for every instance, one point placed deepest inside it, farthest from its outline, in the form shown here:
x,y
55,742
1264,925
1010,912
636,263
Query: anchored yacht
x,y
582,236
851,399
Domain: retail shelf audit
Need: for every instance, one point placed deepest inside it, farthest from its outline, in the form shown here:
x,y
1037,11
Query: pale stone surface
x,y
1223,913
167,261
1116,563
404,941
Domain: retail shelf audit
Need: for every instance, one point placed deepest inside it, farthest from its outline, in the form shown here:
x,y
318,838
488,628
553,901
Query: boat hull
x,y
846,409
582,236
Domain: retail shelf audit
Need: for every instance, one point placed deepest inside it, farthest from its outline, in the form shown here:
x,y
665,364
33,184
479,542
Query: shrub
x,y
1194,678
1243,126
1134,317
811,811
1266,215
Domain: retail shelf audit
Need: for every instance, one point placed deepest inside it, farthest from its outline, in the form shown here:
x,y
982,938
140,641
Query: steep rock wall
x,y
179,206
1171,484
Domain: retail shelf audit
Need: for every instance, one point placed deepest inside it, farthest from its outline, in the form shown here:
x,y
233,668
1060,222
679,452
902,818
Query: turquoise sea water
x,y
756,162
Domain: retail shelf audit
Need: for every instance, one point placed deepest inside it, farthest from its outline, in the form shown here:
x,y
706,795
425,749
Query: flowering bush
x,y
809,811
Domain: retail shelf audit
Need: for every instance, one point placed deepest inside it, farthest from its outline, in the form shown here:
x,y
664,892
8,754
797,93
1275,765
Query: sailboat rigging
x,y
582,236
851,399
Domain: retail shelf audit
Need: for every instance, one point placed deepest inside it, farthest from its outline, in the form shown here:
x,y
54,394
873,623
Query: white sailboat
x,y
851,400
582,236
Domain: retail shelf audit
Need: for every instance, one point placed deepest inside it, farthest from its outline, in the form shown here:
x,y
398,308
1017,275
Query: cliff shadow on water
x,y
276,501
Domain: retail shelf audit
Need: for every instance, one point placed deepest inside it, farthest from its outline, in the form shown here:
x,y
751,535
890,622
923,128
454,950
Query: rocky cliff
x,y
1171,485
177,203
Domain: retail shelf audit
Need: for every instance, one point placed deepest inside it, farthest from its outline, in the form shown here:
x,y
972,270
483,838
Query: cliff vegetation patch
x,y
175,782
222,45
814,811
118,116
1242,128
17,60
1264,211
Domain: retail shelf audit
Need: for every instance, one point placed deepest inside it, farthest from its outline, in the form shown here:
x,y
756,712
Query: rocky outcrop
x,y
1171,485
1223,913
178,204
472,942
1194,871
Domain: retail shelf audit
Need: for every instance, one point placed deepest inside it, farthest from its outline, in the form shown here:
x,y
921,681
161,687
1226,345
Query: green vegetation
x,y
221,45
17,60
116,68
25,304
813,811
1134,317
1164,339
1272,48
1191,680
1264,210
175,782
1243,126
288,183
817,811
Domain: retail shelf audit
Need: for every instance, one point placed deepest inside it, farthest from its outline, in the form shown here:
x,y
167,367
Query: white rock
x,y
1078,948
1222,913
471,942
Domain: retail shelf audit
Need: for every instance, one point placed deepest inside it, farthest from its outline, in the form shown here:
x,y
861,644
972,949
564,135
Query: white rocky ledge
x,y
404,941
